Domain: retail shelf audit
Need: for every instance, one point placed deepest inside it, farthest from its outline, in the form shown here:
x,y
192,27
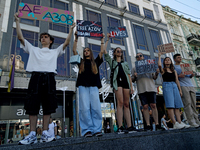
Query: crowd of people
x,y
42,63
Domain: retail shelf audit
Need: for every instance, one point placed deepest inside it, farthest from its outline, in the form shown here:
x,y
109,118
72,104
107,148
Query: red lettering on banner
x,y
96,34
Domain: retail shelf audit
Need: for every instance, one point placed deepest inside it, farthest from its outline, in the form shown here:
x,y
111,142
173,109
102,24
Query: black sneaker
x,y
132,129
122,130
88,134
158,128
148,128
98,134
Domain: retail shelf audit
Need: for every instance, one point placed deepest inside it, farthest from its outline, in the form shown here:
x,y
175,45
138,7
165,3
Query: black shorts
x,y
147,98
41,89
123,84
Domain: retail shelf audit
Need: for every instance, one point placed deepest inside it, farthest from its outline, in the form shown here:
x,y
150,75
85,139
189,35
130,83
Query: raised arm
x,y
102,46
18,29
75,43
155,76
177,82
66,43
159,63
108,38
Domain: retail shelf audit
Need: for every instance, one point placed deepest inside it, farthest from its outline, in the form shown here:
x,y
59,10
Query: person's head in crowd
x,y
167,63
177,58
88,54
139,56
117,52
46,39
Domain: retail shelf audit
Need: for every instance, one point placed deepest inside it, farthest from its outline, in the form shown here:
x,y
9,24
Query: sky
x,y
190,7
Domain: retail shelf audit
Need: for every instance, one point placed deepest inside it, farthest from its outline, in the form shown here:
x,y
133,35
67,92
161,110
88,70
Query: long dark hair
x,y
171,65
93,64
114,56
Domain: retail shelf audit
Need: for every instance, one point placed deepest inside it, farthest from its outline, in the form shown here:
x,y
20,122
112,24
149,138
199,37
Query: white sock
x,y
45,132
33,133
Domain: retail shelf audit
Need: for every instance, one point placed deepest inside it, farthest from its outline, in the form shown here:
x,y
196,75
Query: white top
x,y
51,129
42,59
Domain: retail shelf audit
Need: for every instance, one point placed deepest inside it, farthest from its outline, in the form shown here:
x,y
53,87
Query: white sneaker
x,y
194,125
30,139
178,126
186,126
46,138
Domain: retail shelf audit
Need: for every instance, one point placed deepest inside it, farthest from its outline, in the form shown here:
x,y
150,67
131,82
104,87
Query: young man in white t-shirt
x,y
42,63
52,128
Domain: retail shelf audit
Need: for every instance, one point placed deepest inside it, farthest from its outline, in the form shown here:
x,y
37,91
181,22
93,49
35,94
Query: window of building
x,y
31,37
112,22
148,13
155,38
146,56
59,26
28,21
93,16
103,68
134,8
140,37
111,2
63,67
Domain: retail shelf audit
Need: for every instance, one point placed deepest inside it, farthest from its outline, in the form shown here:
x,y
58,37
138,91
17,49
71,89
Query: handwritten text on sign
x,y
36,12
146,66
117,32
89,28
186,69
165,48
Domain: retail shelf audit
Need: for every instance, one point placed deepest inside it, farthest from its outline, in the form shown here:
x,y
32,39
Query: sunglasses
x,y
119,51
139,56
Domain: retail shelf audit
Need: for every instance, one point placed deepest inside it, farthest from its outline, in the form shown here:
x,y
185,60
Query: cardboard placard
x,y
37,12
186,69
89,28
165,48
120,32
146,66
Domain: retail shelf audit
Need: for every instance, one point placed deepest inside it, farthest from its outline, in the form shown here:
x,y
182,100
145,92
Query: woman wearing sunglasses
x,y
122,86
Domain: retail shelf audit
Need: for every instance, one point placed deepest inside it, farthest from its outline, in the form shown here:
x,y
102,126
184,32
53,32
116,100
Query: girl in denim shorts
x,y
171,91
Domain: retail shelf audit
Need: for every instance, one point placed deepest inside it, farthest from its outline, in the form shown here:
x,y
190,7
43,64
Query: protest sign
x,y
165,48
89,28
146,66
186,69
117,32
37,12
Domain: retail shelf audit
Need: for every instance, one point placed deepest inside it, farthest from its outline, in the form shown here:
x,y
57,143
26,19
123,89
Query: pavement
x,y
185,139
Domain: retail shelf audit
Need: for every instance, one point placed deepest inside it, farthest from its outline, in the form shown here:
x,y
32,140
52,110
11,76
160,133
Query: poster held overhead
x,y
165,48
89,28
120,32
37,12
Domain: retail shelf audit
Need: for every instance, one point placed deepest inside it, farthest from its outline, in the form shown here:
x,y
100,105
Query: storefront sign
x,y
117,32
22,112
186,69
37,12
146,66
89,28
165,48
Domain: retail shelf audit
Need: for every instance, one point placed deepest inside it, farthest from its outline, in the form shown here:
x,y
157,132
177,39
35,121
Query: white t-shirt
x,y
51,129
42,59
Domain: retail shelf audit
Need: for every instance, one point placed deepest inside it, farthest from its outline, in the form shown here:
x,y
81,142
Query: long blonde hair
x,y
93,64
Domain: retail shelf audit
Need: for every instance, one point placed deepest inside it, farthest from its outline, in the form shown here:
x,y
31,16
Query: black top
x,y
88,78
169,77
121,76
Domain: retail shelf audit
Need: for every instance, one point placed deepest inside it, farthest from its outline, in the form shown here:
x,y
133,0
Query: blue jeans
x,y
171,95
90,116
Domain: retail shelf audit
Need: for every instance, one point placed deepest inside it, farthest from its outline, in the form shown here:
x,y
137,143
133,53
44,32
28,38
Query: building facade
x,y
146,27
